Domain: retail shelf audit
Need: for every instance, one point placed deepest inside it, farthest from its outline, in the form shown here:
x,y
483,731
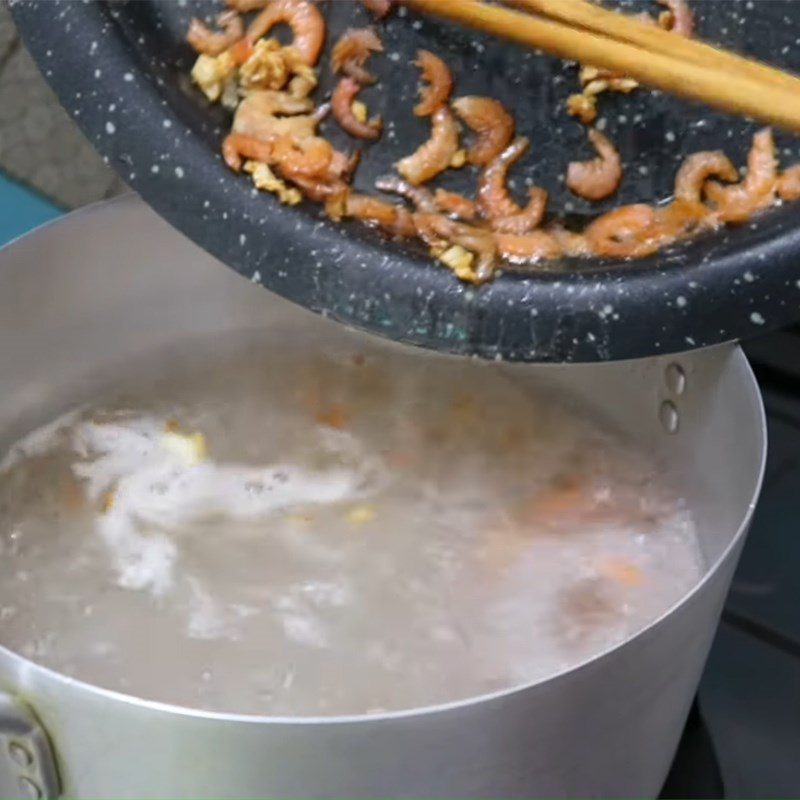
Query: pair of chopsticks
x,y
580,31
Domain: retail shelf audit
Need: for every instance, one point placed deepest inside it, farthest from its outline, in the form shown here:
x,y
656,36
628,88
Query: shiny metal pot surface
x,y
81,296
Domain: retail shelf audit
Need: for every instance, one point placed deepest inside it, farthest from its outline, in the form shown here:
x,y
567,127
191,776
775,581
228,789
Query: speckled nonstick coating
x,y
121,69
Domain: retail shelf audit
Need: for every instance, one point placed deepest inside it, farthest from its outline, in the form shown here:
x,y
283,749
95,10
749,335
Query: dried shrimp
x,y
494,201
678,17
789,184
342,105
697,169
302,16
380,8
757,191
456,204
351,52
419,196
277,139
435,155
438,83
213,43
528,248
600,177
491,122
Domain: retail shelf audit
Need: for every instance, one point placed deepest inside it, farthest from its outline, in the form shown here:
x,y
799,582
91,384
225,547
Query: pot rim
x,y
27,666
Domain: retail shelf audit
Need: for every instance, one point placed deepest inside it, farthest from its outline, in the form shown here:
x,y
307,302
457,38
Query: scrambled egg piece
x,y
190,449
266,68
360,515
595,81
107,501
300,519
460,260
582,106
271,65
459,159
213,74
267,181
359,110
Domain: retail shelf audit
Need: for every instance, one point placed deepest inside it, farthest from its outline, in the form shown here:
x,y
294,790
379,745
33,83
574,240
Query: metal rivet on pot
x,y
675,378
29,788
20,754
668,415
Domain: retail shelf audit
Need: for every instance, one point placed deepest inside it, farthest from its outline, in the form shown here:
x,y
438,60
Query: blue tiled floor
x,y
22,209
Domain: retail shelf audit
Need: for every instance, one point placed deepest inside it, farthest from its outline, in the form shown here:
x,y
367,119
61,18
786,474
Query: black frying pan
x,y
121,70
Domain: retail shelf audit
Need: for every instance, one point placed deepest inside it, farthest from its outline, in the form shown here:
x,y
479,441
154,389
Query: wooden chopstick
x,y
581,13
721,87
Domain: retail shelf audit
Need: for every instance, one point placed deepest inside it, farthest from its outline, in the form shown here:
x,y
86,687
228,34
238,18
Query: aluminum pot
x,y
82,296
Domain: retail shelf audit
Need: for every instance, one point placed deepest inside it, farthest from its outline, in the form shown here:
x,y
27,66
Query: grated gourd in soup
x,y
344,532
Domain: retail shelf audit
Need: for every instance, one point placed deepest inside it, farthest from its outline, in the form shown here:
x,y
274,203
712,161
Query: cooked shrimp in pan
x,y
320,190
246,6
494,201
213,43
600,177
310,157
640,230
437,83
351,52
493,197
419,196
682,218
320,185
435,155
390,218
440,231
379,8
757,191
693,174
302,16
253,119
492,124
526,219
456,204
342,103
789,184
572,244
237,146
257,115
527,248
679,17
626,232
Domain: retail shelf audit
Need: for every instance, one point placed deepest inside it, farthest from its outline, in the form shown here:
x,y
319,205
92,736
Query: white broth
x,y
346,532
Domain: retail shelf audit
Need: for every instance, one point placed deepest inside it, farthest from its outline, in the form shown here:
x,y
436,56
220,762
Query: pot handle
x,y
27,765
